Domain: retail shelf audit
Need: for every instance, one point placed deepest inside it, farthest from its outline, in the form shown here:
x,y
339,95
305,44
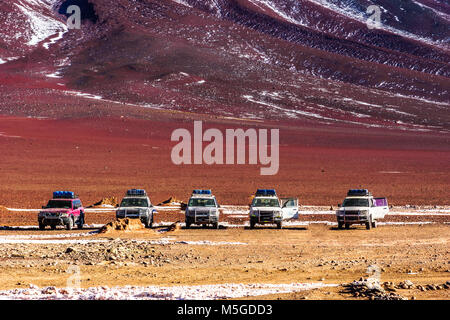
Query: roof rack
x,y
265,192
358,192
64,195
136,192
201,192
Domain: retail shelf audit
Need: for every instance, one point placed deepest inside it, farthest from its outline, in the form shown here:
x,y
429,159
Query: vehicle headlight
x,y
120,213
364,212
63,214
277,213
41,214
254,212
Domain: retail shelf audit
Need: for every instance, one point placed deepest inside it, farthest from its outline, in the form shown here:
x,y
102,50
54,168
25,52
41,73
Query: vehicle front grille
x,y
266,216
354,212
52,214
202,215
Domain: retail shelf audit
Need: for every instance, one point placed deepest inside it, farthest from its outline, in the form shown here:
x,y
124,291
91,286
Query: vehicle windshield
x,y
356,203
261,202
59,204
134,202
199,202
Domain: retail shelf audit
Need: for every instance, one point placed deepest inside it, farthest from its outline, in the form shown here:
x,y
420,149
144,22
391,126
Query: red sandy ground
x,y
99,157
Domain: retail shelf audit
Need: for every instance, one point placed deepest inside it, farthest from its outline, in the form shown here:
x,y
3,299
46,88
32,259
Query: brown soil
x,y
122,225
316,254
171,201
112,201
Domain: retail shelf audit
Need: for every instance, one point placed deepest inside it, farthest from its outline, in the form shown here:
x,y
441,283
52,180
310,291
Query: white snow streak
x,y
198,292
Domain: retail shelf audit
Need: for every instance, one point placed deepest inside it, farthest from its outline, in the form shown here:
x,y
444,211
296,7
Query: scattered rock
x,y
371,290
407,284
70,250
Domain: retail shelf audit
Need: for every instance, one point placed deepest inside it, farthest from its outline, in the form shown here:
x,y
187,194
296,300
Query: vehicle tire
x,y
188,224
374,224
347,226
279,225
252,224
340,225
215,225
69,224
41,226
53,226
369,224
80,223
148,223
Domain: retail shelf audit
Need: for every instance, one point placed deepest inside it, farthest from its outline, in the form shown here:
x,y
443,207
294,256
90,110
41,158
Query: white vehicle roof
x,y
136,197
359,197
266,197
202,196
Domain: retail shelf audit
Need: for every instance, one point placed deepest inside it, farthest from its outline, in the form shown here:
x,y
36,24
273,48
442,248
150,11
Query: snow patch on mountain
x,y
42,26
182,2
354,14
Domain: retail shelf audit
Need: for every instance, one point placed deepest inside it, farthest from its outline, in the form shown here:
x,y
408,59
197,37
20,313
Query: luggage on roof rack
x,y
358,192
200,191
136,192
265,192
64,195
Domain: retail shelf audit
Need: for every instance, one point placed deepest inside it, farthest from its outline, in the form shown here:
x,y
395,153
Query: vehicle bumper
x,y
132,216
53,220
202,219
265,219
353,219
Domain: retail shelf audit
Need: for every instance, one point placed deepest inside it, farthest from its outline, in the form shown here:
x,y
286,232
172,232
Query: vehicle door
x,y
380,207
289,207
76,209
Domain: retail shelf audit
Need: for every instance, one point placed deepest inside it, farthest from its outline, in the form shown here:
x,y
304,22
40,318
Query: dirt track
x,y
318,254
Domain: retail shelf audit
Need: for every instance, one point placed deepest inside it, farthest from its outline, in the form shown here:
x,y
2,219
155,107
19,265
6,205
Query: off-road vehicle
x,y
137,205
202,209
266,208
64,209
360,207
